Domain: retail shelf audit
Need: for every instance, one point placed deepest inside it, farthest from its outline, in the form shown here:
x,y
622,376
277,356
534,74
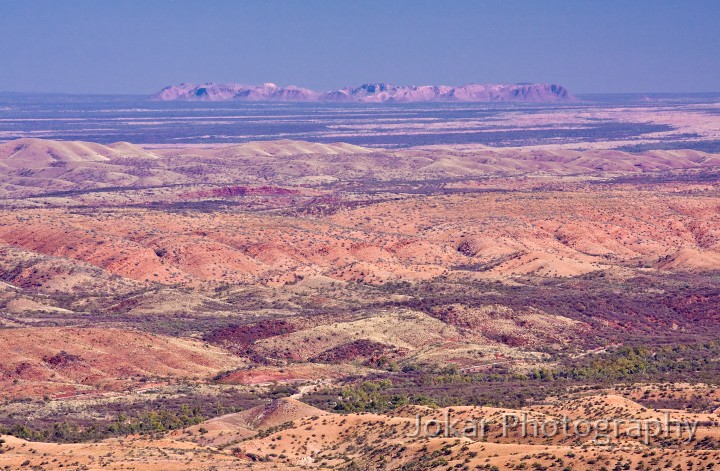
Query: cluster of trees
x,y
443,387
142,422
672,363
374,396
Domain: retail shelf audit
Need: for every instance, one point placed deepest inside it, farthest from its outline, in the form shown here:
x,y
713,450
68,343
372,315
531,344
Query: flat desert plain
x,y
288,304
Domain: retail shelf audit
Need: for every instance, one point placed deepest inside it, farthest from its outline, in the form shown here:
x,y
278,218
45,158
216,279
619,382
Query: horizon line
x,y
15,92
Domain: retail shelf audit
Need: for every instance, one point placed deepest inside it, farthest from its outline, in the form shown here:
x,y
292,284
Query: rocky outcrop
x,y
233,91
368,93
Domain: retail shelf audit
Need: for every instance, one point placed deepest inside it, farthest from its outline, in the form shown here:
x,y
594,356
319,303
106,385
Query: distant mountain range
x,y
367,93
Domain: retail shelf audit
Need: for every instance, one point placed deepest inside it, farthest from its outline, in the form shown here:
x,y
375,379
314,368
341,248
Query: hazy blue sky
x,y
105,46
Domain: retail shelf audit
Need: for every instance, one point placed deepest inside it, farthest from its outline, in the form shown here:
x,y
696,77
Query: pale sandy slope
x,y
306,438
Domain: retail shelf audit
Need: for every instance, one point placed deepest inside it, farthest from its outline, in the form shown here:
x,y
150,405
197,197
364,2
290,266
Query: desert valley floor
x,y
287,304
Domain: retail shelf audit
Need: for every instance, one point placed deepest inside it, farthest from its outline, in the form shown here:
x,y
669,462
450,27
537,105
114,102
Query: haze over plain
x,y
225,276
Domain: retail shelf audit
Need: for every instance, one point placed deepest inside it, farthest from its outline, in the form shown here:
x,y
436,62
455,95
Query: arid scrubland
x,y
284,304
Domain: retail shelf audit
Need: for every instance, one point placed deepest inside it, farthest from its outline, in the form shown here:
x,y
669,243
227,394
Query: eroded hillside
x,y
189,289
